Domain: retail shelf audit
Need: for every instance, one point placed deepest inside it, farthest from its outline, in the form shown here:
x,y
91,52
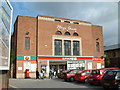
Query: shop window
x,y
76,48
67,33
58,33
58,47
97,46
67,47
27,43
75,34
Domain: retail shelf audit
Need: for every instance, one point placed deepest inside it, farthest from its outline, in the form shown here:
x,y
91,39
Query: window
x,y
95,72
58,33
67,33
118,74
114,54
27,43
97,46
57,20
58,47
67,21
75,34
75,22
67,47
86,73
27,33
75,48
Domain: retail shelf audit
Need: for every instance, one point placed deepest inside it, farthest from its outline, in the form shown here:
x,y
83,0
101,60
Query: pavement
x,y
20,84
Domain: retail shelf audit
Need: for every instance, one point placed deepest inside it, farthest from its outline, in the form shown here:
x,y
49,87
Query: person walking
x,y
55,74
41,75
50,74
37,74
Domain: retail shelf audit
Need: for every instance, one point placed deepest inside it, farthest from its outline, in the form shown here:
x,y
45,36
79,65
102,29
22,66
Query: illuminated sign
x,y
59,27
26,57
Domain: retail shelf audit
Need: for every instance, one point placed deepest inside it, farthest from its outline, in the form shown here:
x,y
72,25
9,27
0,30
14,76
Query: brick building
x,y
113,54
46,42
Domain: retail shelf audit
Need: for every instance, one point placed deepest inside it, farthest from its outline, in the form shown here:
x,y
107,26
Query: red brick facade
x,y
42,31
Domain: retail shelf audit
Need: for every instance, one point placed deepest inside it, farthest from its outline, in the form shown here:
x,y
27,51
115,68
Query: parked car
x,y
96,75
70,74
111,79
82,75
61,74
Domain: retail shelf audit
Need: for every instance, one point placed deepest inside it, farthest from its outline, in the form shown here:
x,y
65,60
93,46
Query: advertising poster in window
x,y
27,65
5,33
33,66
89,65
98,65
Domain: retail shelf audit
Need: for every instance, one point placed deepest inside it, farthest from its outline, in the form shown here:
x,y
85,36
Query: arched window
x,y
67,33
58,33
75,34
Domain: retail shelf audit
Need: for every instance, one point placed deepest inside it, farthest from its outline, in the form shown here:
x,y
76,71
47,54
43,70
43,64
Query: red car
x,y
96,75
82,75
70,74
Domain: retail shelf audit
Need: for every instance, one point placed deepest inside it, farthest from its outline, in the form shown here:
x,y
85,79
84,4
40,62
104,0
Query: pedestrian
x,y
41,75
50,74
37,74
55,74
43,71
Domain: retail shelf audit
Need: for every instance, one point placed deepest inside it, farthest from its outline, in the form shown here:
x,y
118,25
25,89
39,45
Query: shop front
x,y
66,63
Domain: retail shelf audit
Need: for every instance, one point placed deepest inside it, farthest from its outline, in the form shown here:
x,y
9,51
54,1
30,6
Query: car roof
x,y
114,70
107,68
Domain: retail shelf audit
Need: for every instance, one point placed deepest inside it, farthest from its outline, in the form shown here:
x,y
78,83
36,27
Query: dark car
x,y
111,79
61,74
70,74
82,75
97,74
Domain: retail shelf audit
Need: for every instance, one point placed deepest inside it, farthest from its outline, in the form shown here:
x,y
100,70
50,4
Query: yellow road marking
x,y
14,87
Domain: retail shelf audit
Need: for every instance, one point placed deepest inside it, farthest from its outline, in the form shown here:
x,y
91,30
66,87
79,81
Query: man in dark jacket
x,y
37,74
51,74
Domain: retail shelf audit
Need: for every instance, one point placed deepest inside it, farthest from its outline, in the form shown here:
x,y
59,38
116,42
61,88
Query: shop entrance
x,y
58,65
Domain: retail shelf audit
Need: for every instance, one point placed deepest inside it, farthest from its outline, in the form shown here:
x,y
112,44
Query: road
x,y
49,83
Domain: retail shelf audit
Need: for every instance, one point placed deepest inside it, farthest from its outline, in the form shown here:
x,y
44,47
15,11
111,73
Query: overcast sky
x,y
98,13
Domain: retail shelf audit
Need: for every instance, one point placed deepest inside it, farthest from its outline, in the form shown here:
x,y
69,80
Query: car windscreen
x,y
95,72
73,71
110,75
86,73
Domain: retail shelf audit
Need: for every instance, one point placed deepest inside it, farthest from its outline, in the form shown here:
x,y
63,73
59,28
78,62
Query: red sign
x,y
65,58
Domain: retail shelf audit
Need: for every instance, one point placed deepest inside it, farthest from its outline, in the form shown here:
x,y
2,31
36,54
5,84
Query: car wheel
x,y
91,83
66,80
106,88
118,86
72,79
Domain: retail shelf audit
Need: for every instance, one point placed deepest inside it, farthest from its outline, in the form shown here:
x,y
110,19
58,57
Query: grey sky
x,y
99,13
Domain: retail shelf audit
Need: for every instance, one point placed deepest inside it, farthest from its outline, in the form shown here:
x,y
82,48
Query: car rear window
x,y
95,72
